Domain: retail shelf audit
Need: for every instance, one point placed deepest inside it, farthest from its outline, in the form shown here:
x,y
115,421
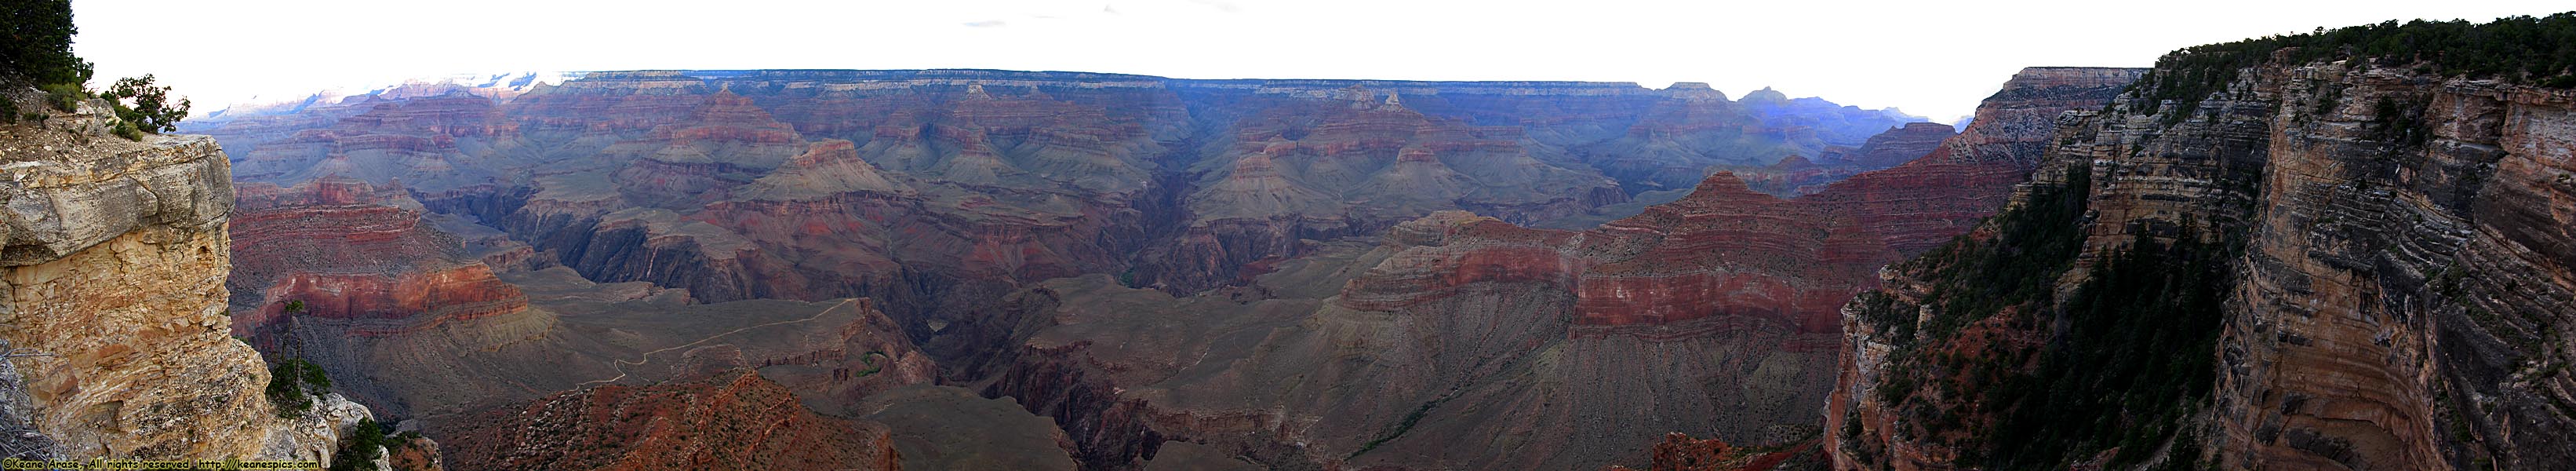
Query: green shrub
x,y
126,130
64,97
292,384
2517,49
36,49
362,447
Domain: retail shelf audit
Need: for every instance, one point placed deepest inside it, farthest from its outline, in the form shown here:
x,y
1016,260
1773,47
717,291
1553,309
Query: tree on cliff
x,y
38,51
36,44
151,111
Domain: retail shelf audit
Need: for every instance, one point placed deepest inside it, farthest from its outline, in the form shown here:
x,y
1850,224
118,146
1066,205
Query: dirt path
x,y
619,365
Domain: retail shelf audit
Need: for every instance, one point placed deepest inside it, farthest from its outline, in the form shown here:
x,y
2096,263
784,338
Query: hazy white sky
x,y
1930,58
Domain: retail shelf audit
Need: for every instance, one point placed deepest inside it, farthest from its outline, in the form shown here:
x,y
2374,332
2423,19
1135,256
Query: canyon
x,y
2264,254
2349,249
858,235
1464,341
1283,274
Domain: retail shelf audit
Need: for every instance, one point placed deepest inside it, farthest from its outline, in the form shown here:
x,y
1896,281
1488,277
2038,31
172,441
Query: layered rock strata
x,y
1031,175
113,276
2386,276
946,195
1720,310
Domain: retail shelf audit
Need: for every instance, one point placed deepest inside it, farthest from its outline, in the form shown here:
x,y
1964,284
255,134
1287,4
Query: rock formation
x,y
1043,175
2279,262
1715,314
111,286
735,420
934,193
942,193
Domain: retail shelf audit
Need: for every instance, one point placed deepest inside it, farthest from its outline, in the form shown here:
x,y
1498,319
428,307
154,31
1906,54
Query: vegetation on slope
x,y
292,384
2132,362
2122,361
2520,49
36,50
2116,370
2035,243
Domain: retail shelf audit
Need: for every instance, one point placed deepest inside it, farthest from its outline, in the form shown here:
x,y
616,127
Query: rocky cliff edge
x,y
112,295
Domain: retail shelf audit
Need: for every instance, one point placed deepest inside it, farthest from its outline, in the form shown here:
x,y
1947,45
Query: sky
x,y
1928,58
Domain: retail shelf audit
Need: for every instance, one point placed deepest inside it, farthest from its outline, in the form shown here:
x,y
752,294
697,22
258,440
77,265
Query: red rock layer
x,y
1321,169
1900,145
699,158
736,420
343,249
1098,168
1725,250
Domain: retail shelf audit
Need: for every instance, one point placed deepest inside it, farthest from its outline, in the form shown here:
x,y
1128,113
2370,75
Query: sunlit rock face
x,y
112,284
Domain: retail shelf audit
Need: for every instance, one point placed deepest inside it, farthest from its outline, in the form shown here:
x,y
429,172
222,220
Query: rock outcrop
x,y
2296,264
113,277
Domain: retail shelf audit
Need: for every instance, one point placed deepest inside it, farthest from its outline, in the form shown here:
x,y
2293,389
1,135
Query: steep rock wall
x,y
113,276
2389,272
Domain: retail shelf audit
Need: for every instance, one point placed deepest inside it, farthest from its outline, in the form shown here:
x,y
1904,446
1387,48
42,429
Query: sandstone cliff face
x,y
114,266
2389,275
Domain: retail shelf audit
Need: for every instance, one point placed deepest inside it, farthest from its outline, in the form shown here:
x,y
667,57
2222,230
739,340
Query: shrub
x,y
362,447
292,384
64,97
126,130
2517,49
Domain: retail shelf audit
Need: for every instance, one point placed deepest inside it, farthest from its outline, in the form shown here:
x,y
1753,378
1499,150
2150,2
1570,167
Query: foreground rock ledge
x,y
113,271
